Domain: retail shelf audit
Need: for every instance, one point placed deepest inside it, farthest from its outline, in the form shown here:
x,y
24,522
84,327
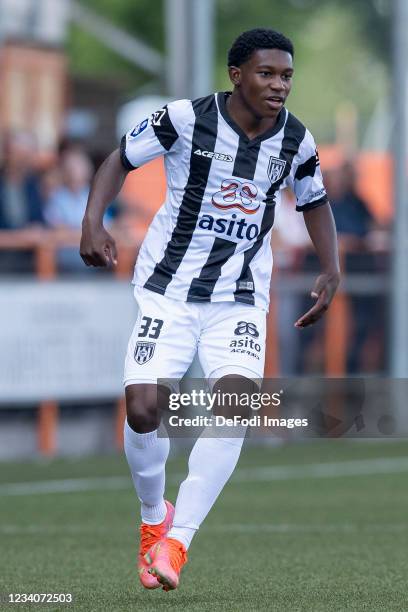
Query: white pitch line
x,y
354,528
363,467
308,528
68,485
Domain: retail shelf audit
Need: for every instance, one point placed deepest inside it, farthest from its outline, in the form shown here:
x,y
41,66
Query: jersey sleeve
x,y
306,176
154,136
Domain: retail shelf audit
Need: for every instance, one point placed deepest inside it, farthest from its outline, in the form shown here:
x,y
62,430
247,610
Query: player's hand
x,y
323,290
97,247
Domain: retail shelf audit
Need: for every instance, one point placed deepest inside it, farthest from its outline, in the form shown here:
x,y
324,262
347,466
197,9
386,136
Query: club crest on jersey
x,y
144,351
139,128
158,116
236,194
276,168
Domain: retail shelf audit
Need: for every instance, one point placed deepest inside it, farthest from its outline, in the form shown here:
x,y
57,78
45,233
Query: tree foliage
x,y
342,49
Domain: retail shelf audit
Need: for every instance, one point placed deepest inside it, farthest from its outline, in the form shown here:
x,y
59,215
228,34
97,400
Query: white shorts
x,y
229,338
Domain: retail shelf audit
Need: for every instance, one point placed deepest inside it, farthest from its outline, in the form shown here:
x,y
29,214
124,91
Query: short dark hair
x,y
252,40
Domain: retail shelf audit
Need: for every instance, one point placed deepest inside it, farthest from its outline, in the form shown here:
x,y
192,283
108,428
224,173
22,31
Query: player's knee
x,y
234,392
144,405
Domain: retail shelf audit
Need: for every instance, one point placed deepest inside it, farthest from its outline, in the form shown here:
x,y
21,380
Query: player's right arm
x,y
97,245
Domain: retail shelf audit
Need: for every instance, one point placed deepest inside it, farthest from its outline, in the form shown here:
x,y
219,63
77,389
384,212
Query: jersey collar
x,y
280,121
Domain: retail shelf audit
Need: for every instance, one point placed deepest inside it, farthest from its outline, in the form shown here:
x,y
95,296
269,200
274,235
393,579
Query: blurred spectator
x,y
21,201
355,224
66,203
352,215
20,198
50,181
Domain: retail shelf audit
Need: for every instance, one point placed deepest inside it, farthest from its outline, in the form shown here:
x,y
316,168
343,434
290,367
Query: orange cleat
x,y
149,536
166,558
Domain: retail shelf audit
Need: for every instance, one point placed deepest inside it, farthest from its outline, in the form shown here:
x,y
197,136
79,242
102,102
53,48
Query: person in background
x,y
50,181
352,215
355,224
66,204
21,204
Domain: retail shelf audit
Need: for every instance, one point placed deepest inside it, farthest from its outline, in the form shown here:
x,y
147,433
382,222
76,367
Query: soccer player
x,y
203,271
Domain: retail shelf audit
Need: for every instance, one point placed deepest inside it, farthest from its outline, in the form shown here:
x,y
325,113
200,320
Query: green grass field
x,y
279,539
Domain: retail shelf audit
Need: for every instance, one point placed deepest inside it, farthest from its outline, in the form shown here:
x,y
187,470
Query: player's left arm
x,y
307,183
322,231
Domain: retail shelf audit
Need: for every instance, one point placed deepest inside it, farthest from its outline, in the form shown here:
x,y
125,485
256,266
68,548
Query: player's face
x,y
264,81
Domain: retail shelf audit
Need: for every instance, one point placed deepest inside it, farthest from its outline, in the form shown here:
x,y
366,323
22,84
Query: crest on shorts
x,y
144,351
276,167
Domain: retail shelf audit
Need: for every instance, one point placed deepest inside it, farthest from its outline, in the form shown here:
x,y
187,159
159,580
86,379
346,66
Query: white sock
x,y
146,455
211,463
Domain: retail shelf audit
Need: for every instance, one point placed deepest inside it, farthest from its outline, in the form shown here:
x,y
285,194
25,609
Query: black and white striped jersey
x,y
210,241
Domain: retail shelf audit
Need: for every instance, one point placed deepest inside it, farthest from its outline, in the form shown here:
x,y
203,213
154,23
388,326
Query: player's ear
x,y
234,75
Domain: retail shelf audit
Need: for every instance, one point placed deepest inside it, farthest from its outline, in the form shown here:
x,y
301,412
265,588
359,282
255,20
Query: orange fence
x,y
45,243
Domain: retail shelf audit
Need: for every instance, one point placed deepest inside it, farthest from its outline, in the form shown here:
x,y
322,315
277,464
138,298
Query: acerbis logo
x,y
214,155
317,194
236,194
243,345
231,227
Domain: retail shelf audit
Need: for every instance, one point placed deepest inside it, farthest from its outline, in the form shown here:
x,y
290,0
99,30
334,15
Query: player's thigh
x,y
233,342
163,340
